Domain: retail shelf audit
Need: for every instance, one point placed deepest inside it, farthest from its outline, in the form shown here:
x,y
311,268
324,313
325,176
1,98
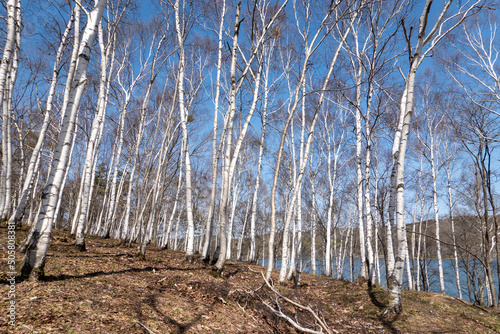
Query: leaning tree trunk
x,y
35,254
305,158
94,142
437,33
230,158
124,230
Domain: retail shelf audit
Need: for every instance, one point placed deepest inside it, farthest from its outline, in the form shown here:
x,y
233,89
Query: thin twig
x,y
144,326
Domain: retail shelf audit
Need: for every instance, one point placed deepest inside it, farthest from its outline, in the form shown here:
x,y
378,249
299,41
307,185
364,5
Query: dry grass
x,y
108,290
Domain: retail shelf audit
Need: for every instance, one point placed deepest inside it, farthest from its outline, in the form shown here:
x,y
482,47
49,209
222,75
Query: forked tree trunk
x,y
231,154
124,230
309,49
305,158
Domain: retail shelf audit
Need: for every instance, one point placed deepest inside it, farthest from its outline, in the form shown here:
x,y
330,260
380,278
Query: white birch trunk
x,y
11,83
226,179
303,163
234,202
252,255
230,160
309,49
298,248
351,256
328,255
94,141
436,210
367,194
360,181
313,223
215,151
242,235
396,277
176,233
115,194
125,233
159,182
6,67
184,118
453,235
35,255
166,232
401,138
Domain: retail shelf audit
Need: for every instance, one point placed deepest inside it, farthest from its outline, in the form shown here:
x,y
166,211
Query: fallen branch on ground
x,y
279,313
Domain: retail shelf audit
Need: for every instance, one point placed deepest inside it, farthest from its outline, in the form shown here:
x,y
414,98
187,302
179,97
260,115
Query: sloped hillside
x,y
109,290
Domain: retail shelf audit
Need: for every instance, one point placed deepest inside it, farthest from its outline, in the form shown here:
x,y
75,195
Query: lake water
x,y
432,270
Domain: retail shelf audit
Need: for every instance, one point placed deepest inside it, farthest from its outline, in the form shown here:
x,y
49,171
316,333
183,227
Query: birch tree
x,y
34,259
158,58
333,124
35,155
309,48
231,154
127,80
181,30
268,50
107,68
426,42
215,147
7,79
433,125
476,70
450,151
473,127
317,108
159,183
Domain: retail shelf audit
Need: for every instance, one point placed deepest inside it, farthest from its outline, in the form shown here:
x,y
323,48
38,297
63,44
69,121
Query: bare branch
x,y
320,321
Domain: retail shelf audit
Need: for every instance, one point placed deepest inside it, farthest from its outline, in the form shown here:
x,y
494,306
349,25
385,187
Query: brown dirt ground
x,y
109,290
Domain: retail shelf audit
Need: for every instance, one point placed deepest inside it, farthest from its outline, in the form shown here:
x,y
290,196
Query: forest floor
x,y
107,289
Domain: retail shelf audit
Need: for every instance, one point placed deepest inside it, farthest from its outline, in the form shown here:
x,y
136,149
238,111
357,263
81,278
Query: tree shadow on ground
x,y
151,301
379,298
64,277
229,273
